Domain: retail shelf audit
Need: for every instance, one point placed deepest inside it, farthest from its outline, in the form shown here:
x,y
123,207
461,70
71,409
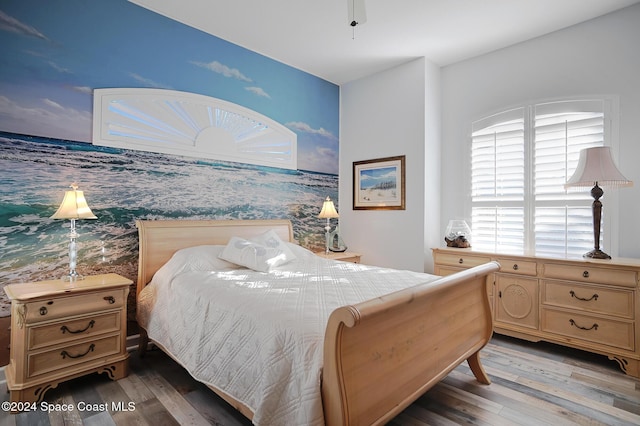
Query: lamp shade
x,y
596,166
74,206
328,210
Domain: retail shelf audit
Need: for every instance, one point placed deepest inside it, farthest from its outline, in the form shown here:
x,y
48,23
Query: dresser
x,y
588,304
62,330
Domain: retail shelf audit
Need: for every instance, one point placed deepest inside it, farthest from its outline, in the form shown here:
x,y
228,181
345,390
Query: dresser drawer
x,y
69,356
58,307
596,299
593,329
462,260
70,330
592,274
446,270
521,267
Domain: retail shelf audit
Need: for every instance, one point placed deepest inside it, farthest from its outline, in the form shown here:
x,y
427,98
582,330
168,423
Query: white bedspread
x,y
258,336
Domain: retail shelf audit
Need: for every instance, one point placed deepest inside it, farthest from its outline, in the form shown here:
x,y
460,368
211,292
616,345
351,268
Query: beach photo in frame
x,y
379,184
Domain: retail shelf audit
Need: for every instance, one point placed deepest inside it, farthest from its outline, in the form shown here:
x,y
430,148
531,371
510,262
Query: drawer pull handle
x,y
460,261
585,274
110,299
593,327
66,329
43,311
67,354
594,297
515,266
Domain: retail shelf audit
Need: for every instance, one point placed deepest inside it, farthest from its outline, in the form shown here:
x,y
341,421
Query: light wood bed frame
x,y
379,355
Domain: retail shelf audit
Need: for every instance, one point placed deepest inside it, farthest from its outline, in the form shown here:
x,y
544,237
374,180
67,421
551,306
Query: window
x,y
520,161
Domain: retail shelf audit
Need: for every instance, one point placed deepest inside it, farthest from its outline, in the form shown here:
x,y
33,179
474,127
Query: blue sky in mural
x,y
54,53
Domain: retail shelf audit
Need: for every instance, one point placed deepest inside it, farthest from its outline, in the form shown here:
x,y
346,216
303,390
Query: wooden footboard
x,y
381,355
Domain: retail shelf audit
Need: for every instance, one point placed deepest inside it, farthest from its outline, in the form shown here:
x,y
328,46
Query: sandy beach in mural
x,y
122,186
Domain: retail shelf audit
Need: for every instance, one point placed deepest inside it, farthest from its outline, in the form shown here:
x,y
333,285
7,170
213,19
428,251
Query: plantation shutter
x,y
563,223
520,161
498,182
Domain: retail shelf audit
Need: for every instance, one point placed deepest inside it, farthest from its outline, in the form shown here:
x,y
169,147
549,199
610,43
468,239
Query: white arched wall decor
x,y
189,124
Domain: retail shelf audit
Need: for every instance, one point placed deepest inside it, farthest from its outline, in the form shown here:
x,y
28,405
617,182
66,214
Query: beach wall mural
x,y
54,54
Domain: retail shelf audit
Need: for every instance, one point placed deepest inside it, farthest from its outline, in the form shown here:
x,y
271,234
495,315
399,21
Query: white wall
x,y
598,57
395,112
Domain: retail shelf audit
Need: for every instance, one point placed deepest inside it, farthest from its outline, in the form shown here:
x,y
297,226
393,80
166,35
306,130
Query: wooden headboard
x,y
160,239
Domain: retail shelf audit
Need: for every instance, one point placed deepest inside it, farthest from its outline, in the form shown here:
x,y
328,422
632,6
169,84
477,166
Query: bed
x,y
367,354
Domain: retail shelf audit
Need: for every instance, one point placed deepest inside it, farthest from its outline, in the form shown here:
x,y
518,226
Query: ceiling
x,y
315,35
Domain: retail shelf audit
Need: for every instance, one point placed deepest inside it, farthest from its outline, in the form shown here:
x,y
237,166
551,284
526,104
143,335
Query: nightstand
x,y
62,330
345,256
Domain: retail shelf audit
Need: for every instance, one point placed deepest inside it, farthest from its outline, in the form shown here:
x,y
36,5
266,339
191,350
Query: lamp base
x,y
326,237
72,276
596,254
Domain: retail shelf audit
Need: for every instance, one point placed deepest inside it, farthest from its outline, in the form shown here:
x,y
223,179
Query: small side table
x,y
345,256
62,330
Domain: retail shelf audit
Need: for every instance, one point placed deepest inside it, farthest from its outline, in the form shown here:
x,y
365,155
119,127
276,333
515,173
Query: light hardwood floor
x,y
533,384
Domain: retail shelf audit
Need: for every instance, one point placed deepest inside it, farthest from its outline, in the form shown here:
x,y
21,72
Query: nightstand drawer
x,y
68,356
596,299
589,328
58,307
589,273
70,330
462,260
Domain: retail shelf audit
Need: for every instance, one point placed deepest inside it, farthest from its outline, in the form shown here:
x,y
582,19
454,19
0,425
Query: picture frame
x,y
379,184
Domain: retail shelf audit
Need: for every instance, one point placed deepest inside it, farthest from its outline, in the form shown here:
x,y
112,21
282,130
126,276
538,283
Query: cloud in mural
x,y
83,89
226,71
258,91
317,148
148,82
319,159
9,23
304,127
229,72
47,118
59,68
51,103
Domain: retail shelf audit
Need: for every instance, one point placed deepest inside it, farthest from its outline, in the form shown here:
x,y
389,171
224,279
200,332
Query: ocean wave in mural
x,y
122,186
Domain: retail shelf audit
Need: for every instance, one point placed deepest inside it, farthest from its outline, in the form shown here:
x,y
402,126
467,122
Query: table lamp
x,y
328,211
74,206
596,168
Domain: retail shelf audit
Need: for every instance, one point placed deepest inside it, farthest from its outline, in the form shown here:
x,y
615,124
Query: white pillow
x,y
270,239
197,258
252,255
299,252
204,258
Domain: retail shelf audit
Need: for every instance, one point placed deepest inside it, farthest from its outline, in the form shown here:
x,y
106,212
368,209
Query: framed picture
x,y
379,184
